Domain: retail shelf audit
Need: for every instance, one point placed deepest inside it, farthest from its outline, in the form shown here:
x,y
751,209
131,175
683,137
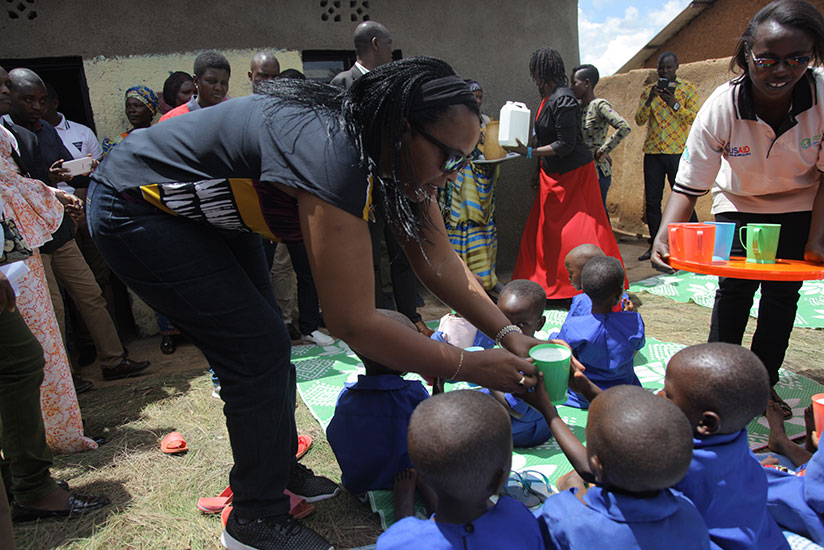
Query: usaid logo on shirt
x,y
737,151
814,141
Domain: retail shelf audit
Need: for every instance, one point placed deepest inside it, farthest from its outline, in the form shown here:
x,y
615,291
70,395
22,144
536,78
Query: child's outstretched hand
x,y
538,398
576,368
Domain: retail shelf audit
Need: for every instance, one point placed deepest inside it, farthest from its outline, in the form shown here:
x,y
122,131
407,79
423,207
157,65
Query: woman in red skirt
x,y
568,210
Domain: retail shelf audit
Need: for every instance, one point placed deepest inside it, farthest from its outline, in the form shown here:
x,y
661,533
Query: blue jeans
x,y
214,286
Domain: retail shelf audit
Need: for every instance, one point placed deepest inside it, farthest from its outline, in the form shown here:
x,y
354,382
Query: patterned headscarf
x,y
144,95
474,86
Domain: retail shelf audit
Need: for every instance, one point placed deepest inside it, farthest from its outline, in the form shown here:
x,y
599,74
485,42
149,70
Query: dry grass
x,y
153,495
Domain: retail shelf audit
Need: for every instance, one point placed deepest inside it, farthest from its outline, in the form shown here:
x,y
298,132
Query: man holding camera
x,y
668,108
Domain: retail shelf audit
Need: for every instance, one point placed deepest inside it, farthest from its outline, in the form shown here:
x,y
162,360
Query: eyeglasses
x,y
793,62
455,160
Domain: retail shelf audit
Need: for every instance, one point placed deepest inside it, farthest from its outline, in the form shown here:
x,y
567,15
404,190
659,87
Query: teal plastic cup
x,y
553,361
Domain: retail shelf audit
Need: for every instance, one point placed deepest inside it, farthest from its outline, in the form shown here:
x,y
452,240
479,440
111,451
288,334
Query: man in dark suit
x,y
373,48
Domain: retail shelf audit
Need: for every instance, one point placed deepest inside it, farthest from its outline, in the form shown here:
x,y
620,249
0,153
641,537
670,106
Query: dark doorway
x,y
323,65
66,74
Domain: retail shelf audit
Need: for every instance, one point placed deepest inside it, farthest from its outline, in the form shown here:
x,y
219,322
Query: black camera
x,y
665,83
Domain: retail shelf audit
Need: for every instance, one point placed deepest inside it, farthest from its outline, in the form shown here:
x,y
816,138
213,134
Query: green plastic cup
x,y
762,242
553,361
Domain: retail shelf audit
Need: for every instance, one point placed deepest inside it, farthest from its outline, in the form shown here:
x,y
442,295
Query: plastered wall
x,y
110,77
714,32
625,201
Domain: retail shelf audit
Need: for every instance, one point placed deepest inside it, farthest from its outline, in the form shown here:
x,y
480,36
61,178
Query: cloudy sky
x,y
610,32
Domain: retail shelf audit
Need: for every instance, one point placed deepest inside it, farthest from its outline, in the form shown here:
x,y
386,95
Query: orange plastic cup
x,y
818,411
699,242
676,238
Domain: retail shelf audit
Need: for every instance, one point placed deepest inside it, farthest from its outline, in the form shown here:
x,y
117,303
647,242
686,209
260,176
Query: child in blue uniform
x,y
574,263
721,387
605,341
523,301
796,500
633,462
368,431
461,445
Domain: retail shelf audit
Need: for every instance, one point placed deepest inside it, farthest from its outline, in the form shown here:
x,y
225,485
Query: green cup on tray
x,y
553,361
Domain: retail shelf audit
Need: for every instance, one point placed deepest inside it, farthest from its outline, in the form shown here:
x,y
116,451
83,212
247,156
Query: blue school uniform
x,y
582,305
368,432
507,524
729,487
606,344
797,502
622,521
531,429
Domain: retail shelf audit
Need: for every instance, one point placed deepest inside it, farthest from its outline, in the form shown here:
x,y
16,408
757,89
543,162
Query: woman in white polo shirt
x,y
756,145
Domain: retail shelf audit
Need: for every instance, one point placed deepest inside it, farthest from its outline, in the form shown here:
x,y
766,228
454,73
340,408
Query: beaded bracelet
x,y
529,152
504,331
460,364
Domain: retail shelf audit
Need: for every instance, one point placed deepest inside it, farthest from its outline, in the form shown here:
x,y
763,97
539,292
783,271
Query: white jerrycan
x,y
514,124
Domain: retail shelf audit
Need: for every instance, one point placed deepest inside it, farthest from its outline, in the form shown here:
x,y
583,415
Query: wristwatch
x,y
676,106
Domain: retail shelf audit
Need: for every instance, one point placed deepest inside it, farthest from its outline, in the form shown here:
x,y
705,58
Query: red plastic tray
x,y
737,267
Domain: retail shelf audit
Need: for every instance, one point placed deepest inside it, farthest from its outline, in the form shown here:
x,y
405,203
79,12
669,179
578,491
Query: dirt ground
x,y
153,495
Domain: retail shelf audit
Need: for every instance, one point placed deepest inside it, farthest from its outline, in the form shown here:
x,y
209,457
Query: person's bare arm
x,y
442,271
571,445
678,209
340,254
814,251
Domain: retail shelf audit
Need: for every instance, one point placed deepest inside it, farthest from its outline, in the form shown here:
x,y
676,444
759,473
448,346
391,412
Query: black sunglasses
x,y
455,160
767,62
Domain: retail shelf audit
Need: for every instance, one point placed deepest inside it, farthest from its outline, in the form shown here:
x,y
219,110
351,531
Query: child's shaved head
x,y
726,379
602,279
461,444
373,368
642,442
577,259
523,302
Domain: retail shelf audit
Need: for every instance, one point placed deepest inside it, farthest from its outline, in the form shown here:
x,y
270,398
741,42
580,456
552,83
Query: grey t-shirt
x,y
216,165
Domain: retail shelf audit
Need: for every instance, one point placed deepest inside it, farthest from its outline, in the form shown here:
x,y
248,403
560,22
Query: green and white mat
x,y
322,372
684,286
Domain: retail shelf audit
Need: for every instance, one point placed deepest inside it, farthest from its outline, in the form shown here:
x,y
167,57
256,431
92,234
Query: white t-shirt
x,y
78,139
737,156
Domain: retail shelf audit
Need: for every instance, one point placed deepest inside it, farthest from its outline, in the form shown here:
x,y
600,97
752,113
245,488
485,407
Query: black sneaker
x,y
272,533
304,483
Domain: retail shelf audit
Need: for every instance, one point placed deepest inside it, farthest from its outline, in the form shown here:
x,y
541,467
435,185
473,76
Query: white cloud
x,y
610,43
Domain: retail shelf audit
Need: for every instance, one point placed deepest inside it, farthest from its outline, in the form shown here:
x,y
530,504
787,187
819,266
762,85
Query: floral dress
x,y
37,214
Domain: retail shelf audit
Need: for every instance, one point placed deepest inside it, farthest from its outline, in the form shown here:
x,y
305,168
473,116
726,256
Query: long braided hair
x,y
375,112
547,68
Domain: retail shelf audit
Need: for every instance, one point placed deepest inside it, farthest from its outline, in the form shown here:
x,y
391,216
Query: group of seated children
x,y
670,470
